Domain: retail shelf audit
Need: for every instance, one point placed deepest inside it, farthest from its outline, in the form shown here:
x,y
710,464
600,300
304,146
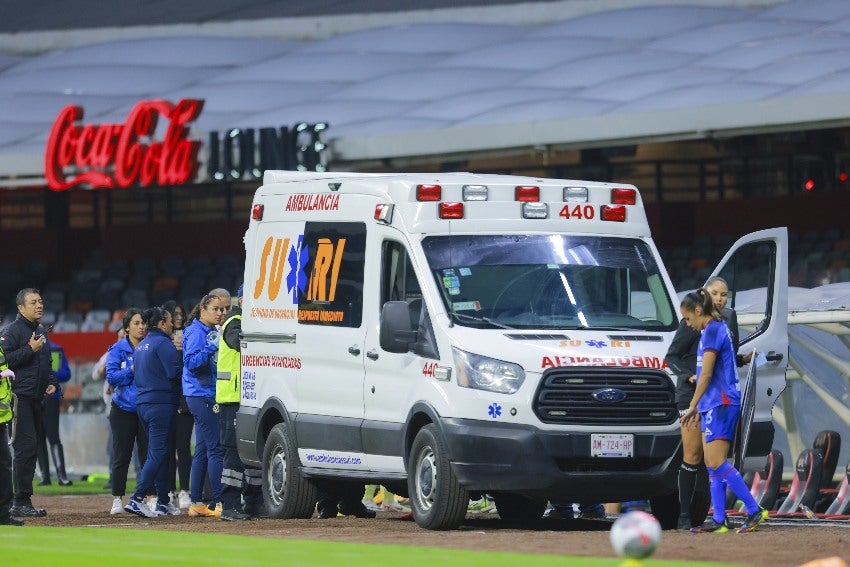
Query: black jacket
x,y
33,372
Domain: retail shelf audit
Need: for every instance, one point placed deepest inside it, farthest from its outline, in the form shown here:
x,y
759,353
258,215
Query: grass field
x,y
31,546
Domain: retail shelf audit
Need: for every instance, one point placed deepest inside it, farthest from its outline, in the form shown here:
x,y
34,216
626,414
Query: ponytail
x,y
153,316
196,311
701,298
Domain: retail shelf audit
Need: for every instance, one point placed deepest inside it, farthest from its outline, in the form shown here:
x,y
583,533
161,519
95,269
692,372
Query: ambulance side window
x,y
329,274
398,280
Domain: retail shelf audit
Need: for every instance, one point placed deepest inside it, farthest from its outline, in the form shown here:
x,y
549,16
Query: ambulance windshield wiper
x,y
479,320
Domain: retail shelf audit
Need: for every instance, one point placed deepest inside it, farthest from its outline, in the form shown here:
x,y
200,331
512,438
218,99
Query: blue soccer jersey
x,y
724,389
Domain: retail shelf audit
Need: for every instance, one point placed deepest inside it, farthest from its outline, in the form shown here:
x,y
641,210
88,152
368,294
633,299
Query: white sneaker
x,y
152,502
184,501
117,506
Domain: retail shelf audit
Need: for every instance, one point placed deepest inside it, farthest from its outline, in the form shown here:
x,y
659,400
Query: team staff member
x,y
127,429
6,376
717,406
200,347
50,417
236,481
27,353
157,394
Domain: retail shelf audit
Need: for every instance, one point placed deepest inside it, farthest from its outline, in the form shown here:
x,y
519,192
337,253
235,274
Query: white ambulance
x,y
453,334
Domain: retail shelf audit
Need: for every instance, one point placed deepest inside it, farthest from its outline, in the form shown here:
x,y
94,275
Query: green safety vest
x,y
227,385
5,392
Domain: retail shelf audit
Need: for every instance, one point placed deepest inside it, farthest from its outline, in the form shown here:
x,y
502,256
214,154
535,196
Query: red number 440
x,y
580,212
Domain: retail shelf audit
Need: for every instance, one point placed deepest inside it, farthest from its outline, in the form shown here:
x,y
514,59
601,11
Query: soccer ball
x,y
635,535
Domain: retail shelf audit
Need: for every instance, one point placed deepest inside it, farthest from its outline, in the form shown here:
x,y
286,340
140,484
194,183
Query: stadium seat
x,y
805,484
829,444
841,505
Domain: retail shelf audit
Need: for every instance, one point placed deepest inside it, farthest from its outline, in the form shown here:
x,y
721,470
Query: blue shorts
x,y
719,422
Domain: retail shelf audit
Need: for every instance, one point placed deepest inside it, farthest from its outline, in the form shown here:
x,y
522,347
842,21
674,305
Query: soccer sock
x,y
737,485
718,494
702,478
687,481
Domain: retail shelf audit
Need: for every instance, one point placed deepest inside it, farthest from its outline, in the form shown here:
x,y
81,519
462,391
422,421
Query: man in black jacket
x,y
28,354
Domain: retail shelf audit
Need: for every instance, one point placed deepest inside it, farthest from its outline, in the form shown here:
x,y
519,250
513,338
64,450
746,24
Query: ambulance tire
x,y
665,508
286,492
437,500
516,509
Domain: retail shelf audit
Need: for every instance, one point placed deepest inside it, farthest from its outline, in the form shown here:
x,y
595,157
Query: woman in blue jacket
x,y
157,395
200,353
126,428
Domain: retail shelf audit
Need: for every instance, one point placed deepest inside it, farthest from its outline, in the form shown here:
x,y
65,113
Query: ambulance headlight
x,y
482,373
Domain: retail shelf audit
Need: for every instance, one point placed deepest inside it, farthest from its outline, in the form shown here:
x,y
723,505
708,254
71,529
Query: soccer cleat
x,y
684,522
184,501
166,509
753,521
483,504
139,508
200,510
117,506
711,526
10,521
27,511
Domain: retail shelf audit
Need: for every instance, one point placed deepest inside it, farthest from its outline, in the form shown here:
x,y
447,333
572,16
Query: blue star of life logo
x,y
296,279
597,344
495,410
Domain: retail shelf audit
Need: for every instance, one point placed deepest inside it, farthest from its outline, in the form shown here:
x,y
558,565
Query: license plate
x,y
612,445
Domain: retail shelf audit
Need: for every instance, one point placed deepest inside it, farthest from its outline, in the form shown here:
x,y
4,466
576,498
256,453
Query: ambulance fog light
x,y
575,194
623,196
451,210
475,192
535,211
483,373
616,213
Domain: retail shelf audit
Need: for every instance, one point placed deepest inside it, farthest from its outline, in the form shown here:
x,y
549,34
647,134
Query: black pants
x,y
28,430
345,496
50,420
127,430
236,482
181,467
5,472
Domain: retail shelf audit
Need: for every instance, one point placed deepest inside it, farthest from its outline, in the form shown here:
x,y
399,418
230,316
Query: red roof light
x,y
623,196
429,192
451,210
257,212
616,213
527,193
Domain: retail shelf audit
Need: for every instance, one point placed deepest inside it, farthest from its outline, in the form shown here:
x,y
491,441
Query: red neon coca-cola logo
x,y
121,155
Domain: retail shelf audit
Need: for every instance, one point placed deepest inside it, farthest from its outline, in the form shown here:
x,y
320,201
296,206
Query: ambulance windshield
x,y
552,281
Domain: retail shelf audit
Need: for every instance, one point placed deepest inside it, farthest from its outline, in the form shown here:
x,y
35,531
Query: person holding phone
x,y
27,351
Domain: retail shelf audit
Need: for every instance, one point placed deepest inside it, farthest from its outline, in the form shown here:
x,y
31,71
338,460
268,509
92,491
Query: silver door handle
x,y
373,354
354,350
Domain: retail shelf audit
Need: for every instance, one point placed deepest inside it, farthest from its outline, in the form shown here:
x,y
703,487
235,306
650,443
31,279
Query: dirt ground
x,y
777,544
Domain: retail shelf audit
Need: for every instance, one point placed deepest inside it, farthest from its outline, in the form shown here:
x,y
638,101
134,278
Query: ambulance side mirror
x,y
397,332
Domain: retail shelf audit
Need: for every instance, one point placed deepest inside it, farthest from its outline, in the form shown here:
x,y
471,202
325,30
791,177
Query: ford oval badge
x,y
609,395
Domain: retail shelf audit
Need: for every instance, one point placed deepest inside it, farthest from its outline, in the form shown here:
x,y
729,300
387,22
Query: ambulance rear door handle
x,y
354,350
373,354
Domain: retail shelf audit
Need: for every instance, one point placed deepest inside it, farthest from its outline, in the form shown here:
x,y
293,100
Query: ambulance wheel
x,y
286,492
518,509
437,500
665,508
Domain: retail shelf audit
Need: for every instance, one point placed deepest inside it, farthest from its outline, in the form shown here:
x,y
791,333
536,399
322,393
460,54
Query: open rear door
x,y
756,269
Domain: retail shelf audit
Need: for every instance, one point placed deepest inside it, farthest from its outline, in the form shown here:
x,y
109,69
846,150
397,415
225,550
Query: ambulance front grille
x,y
606,396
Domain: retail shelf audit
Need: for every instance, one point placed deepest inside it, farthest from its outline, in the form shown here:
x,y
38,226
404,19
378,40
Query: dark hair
x,y
21,298
172,307
128,316
154,316
700,298
196,310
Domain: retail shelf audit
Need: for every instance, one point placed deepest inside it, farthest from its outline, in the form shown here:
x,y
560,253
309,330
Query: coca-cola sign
x,y
121,155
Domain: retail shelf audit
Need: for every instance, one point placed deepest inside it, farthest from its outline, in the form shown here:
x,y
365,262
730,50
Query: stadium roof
x,y
615,76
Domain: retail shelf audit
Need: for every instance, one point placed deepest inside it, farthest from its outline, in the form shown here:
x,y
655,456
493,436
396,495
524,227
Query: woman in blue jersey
x,y
157,395
124,421
716,403
200,354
